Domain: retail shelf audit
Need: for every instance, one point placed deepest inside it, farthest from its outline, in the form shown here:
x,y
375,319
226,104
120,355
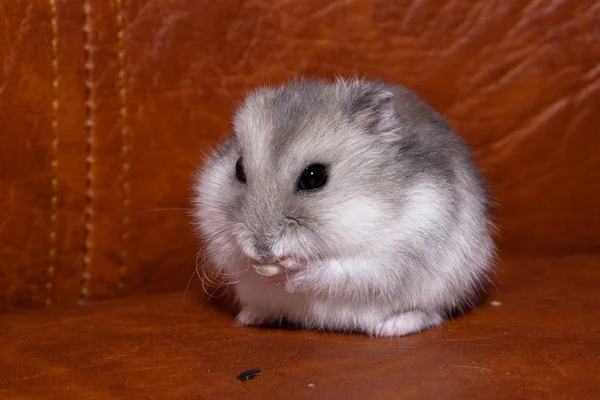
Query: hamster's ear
x,y
372,107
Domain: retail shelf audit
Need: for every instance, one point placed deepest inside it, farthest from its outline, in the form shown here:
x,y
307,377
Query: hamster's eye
x,y
313,177
239,171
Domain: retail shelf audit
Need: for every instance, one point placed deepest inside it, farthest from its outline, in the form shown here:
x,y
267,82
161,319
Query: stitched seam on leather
x,y
89,161
126,142
54,163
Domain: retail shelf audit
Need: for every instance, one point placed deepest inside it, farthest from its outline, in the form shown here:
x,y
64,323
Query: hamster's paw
x,y
292,265
280,274
407,323
295,282
270,273
252,317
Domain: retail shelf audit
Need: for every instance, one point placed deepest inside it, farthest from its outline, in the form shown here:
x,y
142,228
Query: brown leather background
x,y
537,344
158,81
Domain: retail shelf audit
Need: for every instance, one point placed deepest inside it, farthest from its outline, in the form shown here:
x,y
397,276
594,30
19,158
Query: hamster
x,y
346,205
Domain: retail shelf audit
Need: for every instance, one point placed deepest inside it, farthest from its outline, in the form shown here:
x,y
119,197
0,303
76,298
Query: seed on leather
x,y
249,374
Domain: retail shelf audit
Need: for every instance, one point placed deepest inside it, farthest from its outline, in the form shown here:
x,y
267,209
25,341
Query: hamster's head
x,y
305,176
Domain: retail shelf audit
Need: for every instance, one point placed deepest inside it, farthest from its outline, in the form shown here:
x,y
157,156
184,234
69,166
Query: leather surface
x,y
519,79
542,342
26,155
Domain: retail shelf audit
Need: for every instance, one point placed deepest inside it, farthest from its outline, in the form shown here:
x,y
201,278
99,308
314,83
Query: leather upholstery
x,y
105,116
542,342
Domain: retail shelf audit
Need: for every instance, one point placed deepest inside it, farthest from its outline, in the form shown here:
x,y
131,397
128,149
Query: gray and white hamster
x,y
345,206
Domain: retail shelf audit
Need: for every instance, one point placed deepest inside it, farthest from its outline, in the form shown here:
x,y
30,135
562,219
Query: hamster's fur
x,y
397,239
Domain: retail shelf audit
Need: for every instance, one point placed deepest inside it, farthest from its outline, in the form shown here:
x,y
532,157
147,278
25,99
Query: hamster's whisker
x,y
187,287
215,235
198,256
216,274
216,208
219,240
205,276
203,284
227,275
233,282
215,238
230,275
209,295
271,296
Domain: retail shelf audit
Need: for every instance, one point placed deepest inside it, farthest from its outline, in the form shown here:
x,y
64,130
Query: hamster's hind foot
x,y
406,323
254,317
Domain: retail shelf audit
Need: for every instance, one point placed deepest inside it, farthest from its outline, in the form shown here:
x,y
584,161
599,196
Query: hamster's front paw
x,y
280,274
295,282
272,273
407,323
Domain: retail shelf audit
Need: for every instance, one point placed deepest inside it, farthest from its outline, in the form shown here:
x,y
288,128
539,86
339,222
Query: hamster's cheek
x,y
243,240
214,211
355,221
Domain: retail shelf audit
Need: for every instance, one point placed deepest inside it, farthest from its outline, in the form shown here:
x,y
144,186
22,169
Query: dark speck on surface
x,y
249,374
